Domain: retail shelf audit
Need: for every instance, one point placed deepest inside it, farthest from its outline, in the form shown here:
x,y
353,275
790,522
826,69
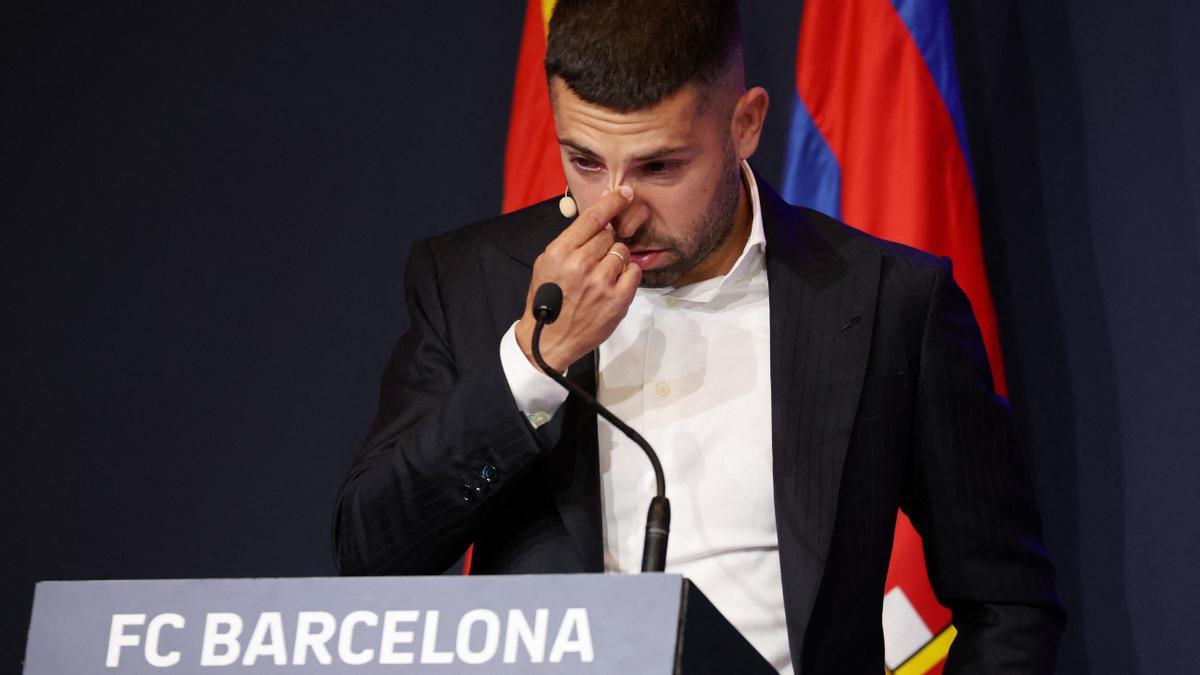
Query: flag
x,y
532,168
878,140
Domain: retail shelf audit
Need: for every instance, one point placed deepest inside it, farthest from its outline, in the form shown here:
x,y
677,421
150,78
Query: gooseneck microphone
x,y
547,303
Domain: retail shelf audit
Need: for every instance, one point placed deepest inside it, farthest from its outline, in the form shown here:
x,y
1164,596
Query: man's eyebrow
x,y
582,149
661,152
649,156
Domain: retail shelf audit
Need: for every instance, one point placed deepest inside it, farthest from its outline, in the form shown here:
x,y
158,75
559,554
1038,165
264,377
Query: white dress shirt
x,y
689,368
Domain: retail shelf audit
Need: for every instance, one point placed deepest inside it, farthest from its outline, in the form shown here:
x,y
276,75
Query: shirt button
x,y
537,419
663,389
671,302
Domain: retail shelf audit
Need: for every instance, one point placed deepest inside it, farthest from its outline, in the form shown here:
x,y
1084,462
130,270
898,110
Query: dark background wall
x,y
205,212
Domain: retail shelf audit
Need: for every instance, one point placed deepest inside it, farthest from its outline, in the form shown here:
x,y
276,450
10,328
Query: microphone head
x,y
547,302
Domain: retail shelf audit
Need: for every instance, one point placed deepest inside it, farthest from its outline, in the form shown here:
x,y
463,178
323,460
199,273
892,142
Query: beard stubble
x,y
707,234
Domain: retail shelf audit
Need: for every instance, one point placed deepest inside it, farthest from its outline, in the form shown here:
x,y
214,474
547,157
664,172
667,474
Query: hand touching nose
x,y
596,277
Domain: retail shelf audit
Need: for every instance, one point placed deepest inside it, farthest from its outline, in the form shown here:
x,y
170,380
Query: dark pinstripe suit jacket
x,y
881,398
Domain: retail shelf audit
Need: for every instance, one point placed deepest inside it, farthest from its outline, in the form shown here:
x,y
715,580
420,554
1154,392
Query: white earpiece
x,y
567,205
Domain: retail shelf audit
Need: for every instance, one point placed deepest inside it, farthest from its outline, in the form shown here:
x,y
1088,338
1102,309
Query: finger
x,y
598,245
613,262
595,217
627,282
629,221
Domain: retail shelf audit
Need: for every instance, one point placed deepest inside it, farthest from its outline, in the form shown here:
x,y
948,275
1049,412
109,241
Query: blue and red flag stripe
x,y
878,139
878,136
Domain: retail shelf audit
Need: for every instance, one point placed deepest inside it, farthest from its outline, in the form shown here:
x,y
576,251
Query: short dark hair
x,y
628,55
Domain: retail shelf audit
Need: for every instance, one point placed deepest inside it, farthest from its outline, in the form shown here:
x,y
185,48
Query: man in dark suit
x,y
873,387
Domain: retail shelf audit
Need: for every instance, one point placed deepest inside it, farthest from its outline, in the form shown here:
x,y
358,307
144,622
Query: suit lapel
x,y
508,262
571,470
823,295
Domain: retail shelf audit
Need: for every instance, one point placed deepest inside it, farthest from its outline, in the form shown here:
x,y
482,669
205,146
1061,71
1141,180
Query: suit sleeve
x,y
971,499
446,439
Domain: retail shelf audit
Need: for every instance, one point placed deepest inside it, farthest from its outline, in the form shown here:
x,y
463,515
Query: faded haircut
x,y
628,55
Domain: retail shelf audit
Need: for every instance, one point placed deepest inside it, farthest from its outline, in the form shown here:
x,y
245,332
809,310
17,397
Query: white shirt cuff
x,y
538,396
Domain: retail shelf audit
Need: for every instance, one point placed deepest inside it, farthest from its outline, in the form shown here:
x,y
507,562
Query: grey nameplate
x,y
586,623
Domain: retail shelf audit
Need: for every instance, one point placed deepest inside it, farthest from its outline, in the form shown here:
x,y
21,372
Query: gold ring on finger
x,y
619,256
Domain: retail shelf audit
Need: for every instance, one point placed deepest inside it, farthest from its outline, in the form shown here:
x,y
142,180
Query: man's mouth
x,y
648,258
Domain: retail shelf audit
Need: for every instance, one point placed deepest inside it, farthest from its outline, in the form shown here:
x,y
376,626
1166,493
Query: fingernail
x,y
626,192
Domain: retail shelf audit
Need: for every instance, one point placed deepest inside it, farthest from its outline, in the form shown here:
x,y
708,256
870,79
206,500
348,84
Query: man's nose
x,y
628,222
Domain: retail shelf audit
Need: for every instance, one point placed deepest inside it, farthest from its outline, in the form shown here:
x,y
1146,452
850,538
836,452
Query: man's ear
x,y
746,125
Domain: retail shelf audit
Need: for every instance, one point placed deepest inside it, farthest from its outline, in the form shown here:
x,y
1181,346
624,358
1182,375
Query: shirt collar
x,y
756,243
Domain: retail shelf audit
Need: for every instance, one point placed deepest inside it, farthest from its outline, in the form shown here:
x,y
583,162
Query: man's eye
x,y
660,167
585,164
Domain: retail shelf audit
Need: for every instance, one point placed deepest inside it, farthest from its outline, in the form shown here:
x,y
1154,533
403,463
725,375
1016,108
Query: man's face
x,y
678,158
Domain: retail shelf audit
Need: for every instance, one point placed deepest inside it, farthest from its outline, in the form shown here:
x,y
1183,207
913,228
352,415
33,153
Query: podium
x,y
562,623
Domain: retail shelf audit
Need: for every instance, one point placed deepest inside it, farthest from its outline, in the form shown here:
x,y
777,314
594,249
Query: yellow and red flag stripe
x,y
532,168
